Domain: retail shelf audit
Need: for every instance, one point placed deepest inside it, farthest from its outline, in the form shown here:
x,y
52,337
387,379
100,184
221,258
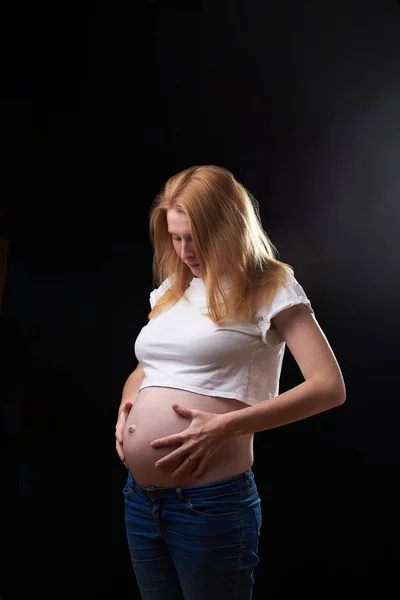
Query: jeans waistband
x,y
226,486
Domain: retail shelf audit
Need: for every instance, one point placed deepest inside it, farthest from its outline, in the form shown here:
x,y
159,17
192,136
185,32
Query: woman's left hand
x,y
200,441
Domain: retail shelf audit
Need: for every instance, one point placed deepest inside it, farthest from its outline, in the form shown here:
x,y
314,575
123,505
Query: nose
x,y
187,251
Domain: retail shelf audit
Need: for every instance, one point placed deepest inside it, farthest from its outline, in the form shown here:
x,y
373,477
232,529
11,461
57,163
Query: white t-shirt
x,y
181,348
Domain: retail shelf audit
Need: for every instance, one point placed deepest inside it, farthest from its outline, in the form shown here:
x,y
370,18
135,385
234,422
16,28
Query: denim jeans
x,y
194,542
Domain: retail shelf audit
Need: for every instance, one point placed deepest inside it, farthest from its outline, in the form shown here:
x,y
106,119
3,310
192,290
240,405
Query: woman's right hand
x,y
119,430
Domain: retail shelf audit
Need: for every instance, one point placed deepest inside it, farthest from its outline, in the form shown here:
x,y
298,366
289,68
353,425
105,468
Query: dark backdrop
x,y
301,100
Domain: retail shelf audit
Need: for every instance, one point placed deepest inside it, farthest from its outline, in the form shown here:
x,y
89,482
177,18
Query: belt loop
x,y
179,492
248,478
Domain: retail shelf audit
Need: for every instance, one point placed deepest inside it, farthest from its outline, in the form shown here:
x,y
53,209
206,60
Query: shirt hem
x,y
192,388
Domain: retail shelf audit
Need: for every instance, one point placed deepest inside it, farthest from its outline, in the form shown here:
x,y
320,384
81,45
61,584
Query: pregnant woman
x,y
207,379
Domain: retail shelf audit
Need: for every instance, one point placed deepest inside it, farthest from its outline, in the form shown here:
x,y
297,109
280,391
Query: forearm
x,y
130,389
313,396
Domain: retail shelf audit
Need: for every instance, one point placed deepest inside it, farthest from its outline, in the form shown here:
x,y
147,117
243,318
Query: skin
x,y
178,227
322,389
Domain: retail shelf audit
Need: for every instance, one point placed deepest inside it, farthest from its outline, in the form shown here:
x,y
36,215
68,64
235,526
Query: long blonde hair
x,y
229,239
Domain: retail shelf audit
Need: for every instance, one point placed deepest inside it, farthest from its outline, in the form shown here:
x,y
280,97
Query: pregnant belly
x,y
153,417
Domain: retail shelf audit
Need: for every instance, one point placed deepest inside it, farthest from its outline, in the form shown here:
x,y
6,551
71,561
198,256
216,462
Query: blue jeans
x,y
195,542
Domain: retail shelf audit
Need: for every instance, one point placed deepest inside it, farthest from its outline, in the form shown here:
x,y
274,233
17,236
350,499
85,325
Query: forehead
x,y
178,223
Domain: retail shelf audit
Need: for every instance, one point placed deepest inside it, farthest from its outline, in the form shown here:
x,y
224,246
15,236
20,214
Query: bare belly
x,y
153,417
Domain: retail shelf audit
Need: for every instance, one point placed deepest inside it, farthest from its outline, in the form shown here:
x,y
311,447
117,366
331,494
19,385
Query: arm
x,y
131,386
129,394
322,389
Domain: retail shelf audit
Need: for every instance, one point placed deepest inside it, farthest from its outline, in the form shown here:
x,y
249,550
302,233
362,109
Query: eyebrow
x,y
178,234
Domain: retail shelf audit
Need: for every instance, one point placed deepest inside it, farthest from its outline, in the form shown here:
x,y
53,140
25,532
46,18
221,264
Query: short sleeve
x,y
289,295
156,294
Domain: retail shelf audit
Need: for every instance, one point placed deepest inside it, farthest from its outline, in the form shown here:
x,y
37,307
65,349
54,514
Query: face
x,y
178,228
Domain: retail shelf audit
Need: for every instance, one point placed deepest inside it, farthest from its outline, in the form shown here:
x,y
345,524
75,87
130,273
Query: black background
x,y
301,100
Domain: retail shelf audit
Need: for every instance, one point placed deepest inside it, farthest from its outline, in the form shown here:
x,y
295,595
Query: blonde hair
x,y
229,239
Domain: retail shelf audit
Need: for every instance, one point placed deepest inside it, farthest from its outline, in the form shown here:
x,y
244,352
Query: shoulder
x,y
157,292
289,295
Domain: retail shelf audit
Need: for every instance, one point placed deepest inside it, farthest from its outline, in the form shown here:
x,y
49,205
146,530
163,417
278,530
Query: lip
x,y
193,265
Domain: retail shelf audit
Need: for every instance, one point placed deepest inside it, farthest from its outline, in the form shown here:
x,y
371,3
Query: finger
x,y
183,410
167,441
183,469
120,453
171,458
128,407
186,467
200,468
122,457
